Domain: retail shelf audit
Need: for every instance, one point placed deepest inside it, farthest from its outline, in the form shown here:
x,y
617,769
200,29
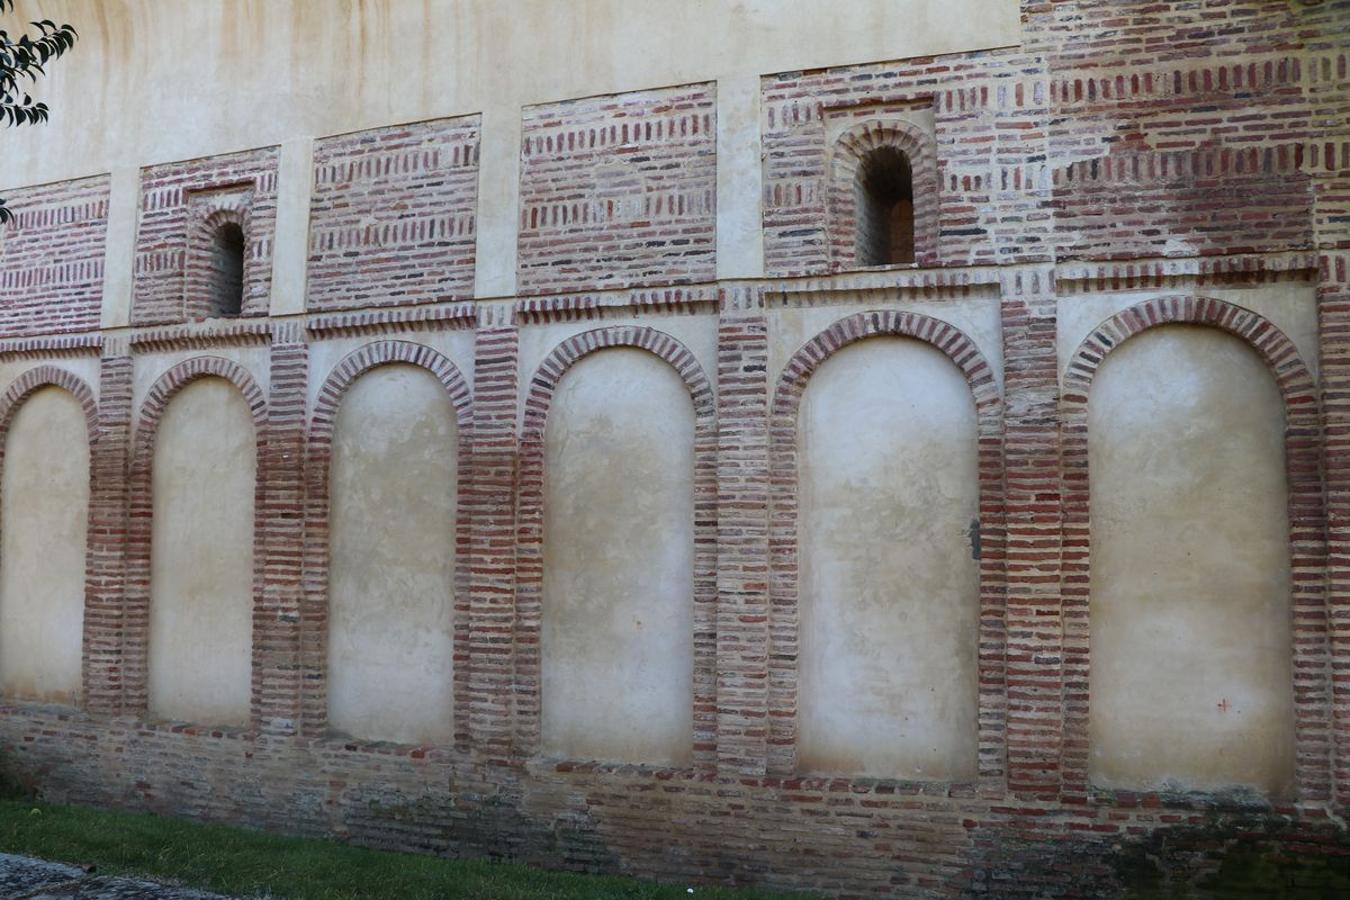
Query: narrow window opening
x,y
227,270
884,191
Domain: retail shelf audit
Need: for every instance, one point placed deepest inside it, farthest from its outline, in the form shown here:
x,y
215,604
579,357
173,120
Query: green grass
x,y
251,863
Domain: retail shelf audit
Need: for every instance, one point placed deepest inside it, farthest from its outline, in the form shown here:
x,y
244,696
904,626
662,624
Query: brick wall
x,y
619,191
51,258
392,215
180,204
989,112
1173,151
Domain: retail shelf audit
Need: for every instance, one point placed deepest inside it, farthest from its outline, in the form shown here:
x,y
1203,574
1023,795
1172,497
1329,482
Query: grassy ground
x,y
249,863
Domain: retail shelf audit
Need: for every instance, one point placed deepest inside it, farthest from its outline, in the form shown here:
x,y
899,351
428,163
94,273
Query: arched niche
x,y
616,636
44,523
392,558
889,592
1191,681
201,563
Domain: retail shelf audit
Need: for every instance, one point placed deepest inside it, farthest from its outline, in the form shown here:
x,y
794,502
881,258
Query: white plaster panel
x,y
1190,607
119,256
290,260
1290,306
43,524
740,176
392,551
617,629
889,588
201,569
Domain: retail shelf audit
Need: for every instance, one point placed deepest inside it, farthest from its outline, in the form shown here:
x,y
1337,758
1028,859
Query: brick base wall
x,y
850,838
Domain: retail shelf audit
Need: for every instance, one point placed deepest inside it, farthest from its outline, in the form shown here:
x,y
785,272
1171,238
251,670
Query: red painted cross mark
x,y
1223,705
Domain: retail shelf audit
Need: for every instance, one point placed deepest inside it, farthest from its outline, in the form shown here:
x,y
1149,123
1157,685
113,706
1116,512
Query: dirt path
x,y
26,878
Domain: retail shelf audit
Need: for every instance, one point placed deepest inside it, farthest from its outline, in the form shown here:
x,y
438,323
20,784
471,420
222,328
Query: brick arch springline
x,y
1307,521
529,561
319,455
136,605
783,523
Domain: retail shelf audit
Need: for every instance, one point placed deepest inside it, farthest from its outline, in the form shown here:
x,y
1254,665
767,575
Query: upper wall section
x,y
391,221
51,258
152,82
1179,131
971,114
619,191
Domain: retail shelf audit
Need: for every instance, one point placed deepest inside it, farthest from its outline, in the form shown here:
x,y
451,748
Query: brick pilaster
x,y
1031,447
105,565
276,621
489,502
742,535
1334,327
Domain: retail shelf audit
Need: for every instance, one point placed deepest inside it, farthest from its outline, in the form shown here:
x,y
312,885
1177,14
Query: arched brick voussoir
x,y
381,353
852,146
950,340
572,350
233,214
1291,373
35,379
180,376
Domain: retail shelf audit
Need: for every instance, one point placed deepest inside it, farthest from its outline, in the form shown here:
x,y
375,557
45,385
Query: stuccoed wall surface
x,y
201,570
889,578
651,506
392,546
267,73
1191,614
46,488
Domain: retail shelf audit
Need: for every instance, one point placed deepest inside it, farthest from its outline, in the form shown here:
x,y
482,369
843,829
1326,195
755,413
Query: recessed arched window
x,y
884,194
227,270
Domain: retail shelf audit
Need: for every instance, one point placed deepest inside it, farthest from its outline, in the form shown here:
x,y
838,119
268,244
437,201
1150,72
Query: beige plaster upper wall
x,y
162,80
